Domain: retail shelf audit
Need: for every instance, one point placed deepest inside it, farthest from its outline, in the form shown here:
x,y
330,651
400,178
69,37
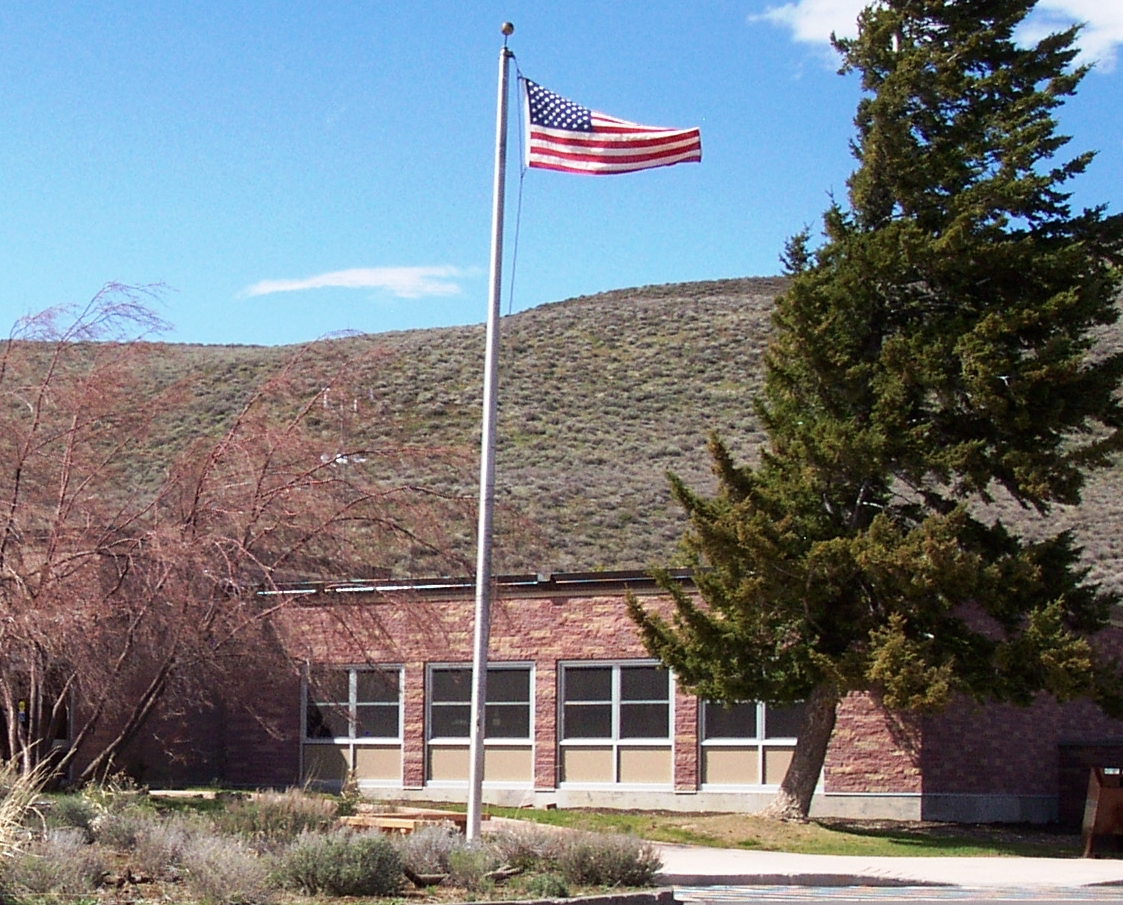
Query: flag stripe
x,y
558,138
681,151
565,136
602,123
602,167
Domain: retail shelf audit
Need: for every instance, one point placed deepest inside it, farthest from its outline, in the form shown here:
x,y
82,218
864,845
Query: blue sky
x,y
288,170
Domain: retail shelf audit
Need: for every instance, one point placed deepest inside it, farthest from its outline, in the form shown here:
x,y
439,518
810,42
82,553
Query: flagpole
x,y
487,462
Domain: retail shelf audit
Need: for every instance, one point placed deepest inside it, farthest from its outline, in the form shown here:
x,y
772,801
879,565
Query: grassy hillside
x,y
599,397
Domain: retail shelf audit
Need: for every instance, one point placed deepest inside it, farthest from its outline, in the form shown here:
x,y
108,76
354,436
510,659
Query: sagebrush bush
x,y
62,862
341,864
527,848
470,864
278,817
593,859
224,871
120,829
547,886
426,849
71,811
161,847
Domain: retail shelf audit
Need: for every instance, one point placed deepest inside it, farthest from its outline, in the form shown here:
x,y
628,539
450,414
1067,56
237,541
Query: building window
x,y
506,715
353,704
615,723
747,743
615,702
508,718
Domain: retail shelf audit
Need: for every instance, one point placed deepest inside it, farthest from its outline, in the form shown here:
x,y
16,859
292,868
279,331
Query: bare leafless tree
x,y
117,600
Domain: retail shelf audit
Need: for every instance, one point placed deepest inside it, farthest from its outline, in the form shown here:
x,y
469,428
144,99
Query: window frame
x,y
615,741
353,704
492,667
761,740
616,701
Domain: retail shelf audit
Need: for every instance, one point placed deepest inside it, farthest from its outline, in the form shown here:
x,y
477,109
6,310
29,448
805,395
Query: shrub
x,y
593,859
278,817
470,864
527,848
121,829
114,794
61,862
161,847
426,850
71,811
341,864
547,886
221,871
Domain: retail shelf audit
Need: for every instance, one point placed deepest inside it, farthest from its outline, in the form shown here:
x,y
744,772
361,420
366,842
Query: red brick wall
x,y
414,632
872,750
262,735
1002,748
686,742
253,738
970,748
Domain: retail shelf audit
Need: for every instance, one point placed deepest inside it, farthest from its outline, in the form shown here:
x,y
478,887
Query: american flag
x,y
565,136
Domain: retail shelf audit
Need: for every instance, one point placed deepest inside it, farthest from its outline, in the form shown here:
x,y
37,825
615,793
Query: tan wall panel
x,y
650,765
730,766
448,764
325,763
378,762
508,765
776,762
586,765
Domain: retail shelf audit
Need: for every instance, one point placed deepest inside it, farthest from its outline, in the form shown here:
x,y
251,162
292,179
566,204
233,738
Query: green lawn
x,y
833,837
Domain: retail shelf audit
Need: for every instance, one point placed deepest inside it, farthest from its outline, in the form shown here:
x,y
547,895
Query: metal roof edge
x,y
572,584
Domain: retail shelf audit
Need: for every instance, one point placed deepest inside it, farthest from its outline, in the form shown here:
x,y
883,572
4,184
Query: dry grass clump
x,y
472,866
61,862
529,847
71,812
276,818
18,792
165,846
538,861
123,829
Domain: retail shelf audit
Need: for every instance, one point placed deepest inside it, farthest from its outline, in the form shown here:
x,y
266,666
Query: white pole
x,y
487,463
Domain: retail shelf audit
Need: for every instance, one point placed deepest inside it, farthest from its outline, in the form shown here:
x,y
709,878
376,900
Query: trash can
x,y
1103,808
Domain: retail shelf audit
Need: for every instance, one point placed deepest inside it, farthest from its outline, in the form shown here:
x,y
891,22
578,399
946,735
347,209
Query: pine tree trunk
x,y
793,801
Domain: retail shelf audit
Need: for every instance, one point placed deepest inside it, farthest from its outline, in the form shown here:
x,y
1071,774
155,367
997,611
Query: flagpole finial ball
x,y
507,28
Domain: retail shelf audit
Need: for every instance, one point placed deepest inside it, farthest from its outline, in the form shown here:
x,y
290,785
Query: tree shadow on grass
x,y
1026,840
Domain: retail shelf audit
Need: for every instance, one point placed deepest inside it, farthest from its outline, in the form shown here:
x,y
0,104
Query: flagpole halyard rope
x,y
521,80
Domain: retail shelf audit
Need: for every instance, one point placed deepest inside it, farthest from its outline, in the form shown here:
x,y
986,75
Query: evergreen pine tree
x,y
936,352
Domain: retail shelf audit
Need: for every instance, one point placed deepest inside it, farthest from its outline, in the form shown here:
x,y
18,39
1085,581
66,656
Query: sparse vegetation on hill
x,y
599,397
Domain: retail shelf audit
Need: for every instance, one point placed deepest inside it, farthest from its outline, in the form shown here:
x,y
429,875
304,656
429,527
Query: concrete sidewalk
x,y
689,865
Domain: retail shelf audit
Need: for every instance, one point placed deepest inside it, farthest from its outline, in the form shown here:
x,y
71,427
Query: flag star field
x,y
547,109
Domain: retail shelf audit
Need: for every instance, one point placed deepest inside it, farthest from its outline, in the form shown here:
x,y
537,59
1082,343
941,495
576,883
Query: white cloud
x,y
812,21
1099,39
404,282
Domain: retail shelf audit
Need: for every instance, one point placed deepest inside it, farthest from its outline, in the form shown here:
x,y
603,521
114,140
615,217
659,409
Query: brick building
x,y
579,715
